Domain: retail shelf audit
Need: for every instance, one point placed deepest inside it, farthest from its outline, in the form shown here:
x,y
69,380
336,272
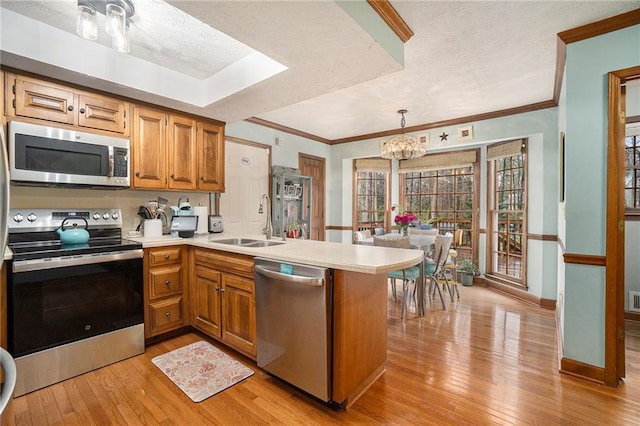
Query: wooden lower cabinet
x,y
222,302
164,291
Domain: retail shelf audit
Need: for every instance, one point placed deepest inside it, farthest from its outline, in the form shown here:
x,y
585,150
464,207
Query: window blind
x,y
445,160
373,165
505,149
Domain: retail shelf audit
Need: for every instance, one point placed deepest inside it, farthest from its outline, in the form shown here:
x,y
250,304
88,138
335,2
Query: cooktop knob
x,y
32,217
105,216
114,216
96,216
18,217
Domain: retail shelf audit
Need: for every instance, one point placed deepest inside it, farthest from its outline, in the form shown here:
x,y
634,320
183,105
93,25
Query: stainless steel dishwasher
x,y
293,324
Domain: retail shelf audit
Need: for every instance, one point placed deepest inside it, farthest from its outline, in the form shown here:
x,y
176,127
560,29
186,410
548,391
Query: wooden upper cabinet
x,y
42,100
99,112
211,157
183,152
148,148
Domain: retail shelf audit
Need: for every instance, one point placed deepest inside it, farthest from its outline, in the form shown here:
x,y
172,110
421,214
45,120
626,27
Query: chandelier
x,y
117,13
403,147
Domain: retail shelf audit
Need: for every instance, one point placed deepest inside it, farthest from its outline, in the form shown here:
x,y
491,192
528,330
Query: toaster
x,y
215,223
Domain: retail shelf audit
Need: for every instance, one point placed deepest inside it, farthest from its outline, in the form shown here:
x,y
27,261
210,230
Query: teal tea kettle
x,y
73,234
183,208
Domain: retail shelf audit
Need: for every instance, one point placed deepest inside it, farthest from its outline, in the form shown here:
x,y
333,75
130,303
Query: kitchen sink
x,y
247,242
235,241
263,243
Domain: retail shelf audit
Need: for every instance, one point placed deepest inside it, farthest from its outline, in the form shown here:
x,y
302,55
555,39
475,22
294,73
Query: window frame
x,y
632,213
355,214
492,210
474,222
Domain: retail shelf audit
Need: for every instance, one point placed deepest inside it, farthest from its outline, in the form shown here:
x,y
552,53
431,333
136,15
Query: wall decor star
x,y
443,137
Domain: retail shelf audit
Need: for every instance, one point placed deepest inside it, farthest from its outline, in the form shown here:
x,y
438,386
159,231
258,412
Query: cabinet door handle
x,y
202,178
167,314
222,290
70,107
138,174
82,110
167,282
166,257
172,176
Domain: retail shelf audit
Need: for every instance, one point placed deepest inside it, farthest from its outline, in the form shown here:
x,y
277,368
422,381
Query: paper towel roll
x,y
203,223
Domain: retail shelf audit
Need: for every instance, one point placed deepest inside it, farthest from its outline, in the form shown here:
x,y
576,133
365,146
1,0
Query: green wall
x,y
587,65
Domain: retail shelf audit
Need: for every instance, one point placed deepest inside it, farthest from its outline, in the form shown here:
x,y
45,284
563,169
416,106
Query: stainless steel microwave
x,y
48,156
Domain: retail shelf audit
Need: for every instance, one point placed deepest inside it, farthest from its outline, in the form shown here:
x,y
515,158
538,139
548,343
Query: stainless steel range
x,y
72,307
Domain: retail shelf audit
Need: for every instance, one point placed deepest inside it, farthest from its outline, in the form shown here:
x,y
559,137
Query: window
x,y
508,209
445,194
371,193
632,169
444,186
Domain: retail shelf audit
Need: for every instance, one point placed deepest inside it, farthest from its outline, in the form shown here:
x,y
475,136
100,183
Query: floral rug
x,y
200,370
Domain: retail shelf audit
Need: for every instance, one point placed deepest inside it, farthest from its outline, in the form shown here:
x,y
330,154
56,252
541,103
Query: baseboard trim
x,y
517,293
559,339
582,370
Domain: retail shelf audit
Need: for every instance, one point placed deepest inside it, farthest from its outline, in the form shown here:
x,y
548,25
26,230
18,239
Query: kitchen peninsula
x,y
359,314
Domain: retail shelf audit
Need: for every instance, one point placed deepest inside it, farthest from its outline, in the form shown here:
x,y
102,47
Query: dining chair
x,y
450,282
407,275
359,236
6,396
434,267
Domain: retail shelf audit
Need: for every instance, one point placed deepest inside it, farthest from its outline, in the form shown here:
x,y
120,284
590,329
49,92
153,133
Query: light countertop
x,y
345,256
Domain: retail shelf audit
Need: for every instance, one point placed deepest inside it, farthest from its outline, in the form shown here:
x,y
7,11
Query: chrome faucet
x,y
268,226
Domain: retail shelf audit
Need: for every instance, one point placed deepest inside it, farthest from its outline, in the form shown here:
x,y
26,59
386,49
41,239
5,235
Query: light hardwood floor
x,y
487,359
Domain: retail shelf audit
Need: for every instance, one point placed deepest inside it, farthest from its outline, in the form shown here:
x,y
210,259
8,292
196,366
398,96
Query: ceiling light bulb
x,y
120,42
116,20
86,22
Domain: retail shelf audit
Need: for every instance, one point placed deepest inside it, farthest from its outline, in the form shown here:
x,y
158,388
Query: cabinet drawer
x,y
166,315
165,281
229,262
165,255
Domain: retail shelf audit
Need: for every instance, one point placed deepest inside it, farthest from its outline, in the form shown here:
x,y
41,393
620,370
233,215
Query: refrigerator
x,y
4,194
291,202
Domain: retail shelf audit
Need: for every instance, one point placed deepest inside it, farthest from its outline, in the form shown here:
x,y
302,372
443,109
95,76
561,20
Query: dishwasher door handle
x,y
311,281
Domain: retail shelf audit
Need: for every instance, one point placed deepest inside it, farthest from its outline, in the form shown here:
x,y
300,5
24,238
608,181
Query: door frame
x,y
614,359
320,200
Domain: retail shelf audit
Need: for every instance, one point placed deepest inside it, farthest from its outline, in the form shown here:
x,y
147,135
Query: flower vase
x,y
404,230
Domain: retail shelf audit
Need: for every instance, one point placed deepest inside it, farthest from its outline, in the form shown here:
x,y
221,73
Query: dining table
x,y
422,242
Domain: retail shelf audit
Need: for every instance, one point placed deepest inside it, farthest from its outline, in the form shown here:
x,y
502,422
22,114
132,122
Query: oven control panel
x,y
37,220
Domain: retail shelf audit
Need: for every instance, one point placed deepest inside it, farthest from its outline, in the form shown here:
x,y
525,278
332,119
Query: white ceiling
x,y
327,76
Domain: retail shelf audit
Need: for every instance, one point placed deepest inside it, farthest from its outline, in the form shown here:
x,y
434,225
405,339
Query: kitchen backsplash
x,y
128,200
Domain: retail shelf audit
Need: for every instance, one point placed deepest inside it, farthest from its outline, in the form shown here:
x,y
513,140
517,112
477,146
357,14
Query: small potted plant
x,y
468,270
426,221
293,229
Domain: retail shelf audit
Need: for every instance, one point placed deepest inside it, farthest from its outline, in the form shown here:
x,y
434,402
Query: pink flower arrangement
x,y
405,219
402,220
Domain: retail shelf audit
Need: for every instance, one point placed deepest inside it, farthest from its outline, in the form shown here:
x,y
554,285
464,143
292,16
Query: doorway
x,y
615,356
247,177
313,166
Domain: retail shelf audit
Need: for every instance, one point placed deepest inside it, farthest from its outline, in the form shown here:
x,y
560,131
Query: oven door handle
x,y
66,261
